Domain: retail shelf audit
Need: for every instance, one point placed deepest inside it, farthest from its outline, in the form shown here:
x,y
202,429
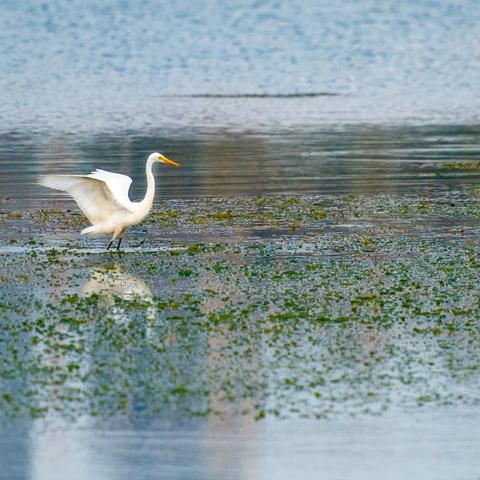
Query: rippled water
x,y
251,97
330,160
83,65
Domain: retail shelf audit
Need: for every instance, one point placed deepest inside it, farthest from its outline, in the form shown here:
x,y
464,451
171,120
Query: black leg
x,y
119,242
109,245
144,237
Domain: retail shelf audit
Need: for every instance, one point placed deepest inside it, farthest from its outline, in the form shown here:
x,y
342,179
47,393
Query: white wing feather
x,y
92,195
118,184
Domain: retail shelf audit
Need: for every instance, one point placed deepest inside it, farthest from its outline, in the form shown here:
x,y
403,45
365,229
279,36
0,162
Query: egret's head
x,y
158,157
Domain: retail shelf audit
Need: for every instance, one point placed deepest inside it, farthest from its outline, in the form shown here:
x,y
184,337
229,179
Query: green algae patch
x,y
461,165
371,303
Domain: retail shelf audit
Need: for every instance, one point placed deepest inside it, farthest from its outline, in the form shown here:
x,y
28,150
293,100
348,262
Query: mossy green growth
x,y
370,304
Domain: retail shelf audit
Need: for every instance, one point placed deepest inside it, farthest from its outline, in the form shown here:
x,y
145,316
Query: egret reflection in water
x,y
112,284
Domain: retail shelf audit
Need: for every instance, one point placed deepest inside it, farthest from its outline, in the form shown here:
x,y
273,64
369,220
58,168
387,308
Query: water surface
x,y
442,445
82,67
307,290
340,160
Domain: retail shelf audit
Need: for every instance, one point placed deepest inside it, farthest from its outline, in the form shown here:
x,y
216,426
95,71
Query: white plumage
x,y
103,197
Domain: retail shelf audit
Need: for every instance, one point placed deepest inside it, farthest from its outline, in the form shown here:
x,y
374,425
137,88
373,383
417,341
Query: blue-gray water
x,y
252,97
432,160
440,446
86,65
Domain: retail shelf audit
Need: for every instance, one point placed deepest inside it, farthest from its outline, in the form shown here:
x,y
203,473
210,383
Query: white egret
x,y
103,198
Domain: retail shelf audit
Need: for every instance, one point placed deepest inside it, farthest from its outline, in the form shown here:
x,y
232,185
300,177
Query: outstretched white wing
x,y
93,196
118,184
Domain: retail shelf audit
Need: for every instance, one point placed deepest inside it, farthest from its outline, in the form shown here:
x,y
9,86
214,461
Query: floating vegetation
x,y
461,165
370,303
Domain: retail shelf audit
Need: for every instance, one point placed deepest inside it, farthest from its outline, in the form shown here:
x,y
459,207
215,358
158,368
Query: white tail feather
x,y
93,230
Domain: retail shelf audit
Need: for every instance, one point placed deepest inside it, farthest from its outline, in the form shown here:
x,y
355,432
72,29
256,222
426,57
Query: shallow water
x,y
306,296
442,445
202,305
202,352
339,160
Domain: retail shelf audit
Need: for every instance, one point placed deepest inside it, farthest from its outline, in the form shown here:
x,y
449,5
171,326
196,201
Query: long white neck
x,y
148,200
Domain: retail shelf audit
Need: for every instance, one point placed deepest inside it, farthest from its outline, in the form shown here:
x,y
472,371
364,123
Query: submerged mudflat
x,y
264,306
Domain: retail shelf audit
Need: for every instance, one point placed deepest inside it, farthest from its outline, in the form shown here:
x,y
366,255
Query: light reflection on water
x,y
80,66
331,160
89,84
443,445
232,446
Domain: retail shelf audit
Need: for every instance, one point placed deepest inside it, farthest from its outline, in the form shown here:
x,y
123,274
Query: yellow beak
x,y
168,161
